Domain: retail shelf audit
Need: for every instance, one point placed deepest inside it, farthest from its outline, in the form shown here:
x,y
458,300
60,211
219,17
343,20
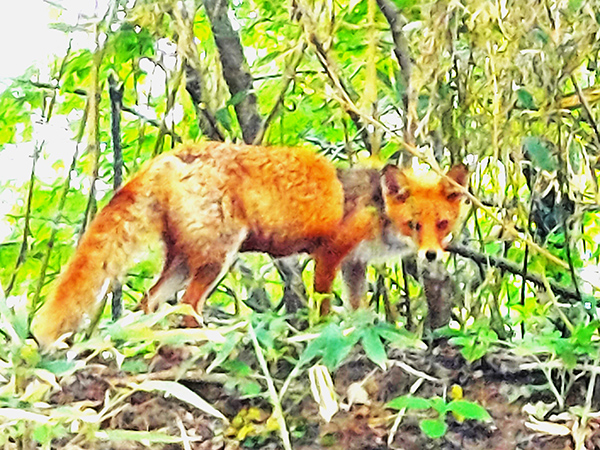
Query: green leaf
x,y
237,98
405,4
134,366
477,345
397,337
237,368
540,35
540,153
525,99
332,345
58,367
469,410
373,346
582,334
575,5
249,388
576,151
409,402
224,117
440,405
434,428
313,349
44,433
338,347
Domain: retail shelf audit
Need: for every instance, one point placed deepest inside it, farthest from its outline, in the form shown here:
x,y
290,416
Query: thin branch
x,y
338,83
171,94
273,395
93,139
36,154
286,78
564,187
587,111
116,100
369,93
206,120
294,291
344,91
406,296
509,266
524,273
61,207
25,242
155,123
186,49
392,15
590,118
274,76
129,109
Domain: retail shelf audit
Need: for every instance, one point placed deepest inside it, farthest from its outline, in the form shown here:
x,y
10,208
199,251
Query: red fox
x,y
209,201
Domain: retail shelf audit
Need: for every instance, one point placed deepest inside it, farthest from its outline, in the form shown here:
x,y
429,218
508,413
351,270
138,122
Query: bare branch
x,y
235,68
206,120
509,266
116,99
392,15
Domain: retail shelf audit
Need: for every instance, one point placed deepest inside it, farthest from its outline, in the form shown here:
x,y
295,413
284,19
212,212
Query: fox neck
x,y
362,190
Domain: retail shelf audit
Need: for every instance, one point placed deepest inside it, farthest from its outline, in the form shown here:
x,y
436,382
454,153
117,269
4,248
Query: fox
x,y
209,201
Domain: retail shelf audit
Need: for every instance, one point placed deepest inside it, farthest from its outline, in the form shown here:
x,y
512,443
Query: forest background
x,y
508,88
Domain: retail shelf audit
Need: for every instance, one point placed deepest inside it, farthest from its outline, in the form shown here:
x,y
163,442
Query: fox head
x,y
424,207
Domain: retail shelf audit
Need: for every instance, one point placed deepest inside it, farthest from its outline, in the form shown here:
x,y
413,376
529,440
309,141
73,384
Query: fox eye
x,y
442,224
453,196
416,226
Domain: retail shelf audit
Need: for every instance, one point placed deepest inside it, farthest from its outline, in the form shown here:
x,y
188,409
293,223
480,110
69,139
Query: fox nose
x,y
431,255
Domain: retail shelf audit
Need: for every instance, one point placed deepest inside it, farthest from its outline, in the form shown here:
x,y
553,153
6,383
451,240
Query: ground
x,y
497,382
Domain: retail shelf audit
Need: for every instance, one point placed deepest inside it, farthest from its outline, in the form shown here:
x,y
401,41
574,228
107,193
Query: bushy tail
x,y
132,218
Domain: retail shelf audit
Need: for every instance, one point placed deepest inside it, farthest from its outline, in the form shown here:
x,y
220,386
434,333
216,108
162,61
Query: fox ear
x,y
393,182
460,174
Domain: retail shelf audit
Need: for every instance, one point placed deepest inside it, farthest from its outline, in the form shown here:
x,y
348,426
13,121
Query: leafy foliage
x,y
509,89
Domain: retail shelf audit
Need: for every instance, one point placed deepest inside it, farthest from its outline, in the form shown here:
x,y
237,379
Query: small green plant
x,y
437,427
475,342
335,342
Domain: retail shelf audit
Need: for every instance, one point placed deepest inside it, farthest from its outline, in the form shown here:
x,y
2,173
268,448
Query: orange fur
x,y
425,209
208,201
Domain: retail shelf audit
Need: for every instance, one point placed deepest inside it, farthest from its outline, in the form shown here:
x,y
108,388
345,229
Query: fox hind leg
x,y
208,273
174,277
203,282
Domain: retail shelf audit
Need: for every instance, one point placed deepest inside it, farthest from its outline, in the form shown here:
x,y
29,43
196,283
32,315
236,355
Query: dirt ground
x,y
497,382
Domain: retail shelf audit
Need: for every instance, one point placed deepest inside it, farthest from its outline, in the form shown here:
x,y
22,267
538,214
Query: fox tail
x,y
132,218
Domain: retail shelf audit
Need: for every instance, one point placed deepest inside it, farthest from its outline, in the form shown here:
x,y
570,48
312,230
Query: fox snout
x,y
430,255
